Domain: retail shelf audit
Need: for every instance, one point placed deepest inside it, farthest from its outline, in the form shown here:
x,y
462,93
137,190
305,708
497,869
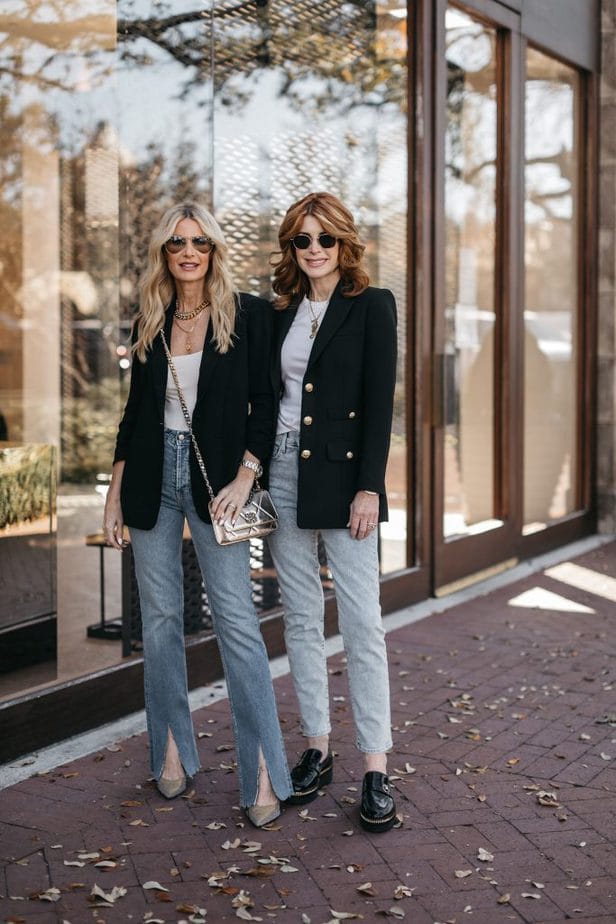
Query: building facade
x,y
475,143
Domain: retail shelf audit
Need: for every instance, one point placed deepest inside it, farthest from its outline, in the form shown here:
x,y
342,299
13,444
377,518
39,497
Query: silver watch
x,y
255,467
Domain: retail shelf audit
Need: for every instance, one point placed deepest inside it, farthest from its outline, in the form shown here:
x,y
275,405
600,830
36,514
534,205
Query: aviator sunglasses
x,y
303,241
176,244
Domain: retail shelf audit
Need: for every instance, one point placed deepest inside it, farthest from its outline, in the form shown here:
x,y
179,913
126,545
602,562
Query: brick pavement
x,y
506,786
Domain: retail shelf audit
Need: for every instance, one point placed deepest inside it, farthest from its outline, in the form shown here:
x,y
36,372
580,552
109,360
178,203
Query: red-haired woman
x,y
334,371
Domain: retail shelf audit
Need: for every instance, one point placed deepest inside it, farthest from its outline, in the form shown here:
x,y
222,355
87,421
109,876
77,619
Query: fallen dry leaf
x,y
108,897
367,889
463,873
243,899
547,798
231,845
152,884
260,872
504,899
49,895
530,895
484,855
402,891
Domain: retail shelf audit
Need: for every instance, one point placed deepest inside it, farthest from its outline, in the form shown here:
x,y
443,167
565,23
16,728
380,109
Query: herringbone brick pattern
x,y
504,767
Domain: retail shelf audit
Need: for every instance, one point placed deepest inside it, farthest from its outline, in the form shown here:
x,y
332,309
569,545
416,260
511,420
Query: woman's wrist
x,y
252,465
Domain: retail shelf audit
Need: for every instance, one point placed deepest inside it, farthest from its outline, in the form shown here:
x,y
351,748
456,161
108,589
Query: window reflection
x,y
334,90
470,312
551,292
110,111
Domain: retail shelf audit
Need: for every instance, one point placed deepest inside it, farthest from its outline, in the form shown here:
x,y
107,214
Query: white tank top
x,y
187,368
294,358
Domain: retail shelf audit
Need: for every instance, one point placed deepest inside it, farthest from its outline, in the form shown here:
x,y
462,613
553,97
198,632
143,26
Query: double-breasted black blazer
x,y
234,412
347,404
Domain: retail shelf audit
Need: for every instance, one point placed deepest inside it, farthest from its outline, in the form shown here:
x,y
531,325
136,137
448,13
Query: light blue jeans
x,y
226,572
355,568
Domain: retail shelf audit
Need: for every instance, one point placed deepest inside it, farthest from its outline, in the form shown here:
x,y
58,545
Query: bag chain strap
x,y
187,417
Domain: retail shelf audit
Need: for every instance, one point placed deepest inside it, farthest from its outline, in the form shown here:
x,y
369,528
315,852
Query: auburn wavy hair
x,y
335,218
157,285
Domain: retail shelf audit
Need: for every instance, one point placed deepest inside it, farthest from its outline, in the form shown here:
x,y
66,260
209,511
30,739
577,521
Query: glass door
x,y
509,347
471,523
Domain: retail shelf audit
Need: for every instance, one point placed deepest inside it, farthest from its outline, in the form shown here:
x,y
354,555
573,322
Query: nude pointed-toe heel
x,y
261,815
171,788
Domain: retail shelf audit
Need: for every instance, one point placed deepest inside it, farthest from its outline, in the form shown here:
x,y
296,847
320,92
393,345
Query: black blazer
x,y
234,412
347,404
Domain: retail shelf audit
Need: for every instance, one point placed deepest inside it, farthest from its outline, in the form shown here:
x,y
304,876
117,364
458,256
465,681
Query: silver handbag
x,y
258,516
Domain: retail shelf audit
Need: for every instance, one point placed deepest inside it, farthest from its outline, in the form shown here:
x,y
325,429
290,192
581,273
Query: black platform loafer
x,y
309,774
378,809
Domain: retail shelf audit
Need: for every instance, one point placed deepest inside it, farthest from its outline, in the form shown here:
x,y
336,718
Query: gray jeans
x,y
355,568
226,572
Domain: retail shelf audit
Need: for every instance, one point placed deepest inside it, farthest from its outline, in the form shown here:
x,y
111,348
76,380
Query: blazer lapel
x,y
283,321
159,362
335,316
209,361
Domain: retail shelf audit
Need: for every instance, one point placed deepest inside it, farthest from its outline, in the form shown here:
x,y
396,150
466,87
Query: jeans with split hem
x,y
226,572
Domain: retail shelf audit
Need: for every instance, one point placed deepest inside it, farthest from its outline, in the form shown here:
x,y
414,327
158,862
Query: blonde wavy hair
x,y
335,218
157,285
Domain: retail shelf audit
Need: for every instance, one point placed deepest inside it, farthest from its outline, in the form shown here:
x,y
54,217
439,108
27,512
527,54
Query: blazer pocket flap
x,y
341,451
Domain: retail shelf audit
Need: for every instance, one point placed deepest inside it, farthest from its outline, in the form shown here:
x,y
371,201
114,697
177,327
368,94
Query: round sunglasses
x,y
303,241
176,244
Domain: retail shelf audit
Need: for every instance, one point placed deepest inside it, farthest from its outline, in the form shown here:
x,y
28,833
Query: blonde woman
x,y
219,342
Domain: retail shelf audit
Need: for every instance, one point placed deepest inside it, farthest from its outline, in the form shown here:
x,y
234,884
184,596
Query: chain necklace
x,y
188,332
314,316
189,315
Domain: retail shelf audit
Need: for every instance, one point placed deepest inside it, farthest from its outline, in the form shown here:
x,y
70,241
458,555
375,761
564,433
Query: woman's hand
x,y
230,499
364,517
113,520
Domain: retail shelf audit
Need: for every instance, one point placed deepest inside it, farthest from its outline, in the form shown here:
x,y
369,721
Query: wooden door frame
x,y
467,558
458,558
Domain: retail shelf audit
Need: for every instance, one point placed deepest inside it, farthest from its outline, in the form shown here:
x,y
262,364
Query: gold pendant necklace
x,y
314,319
188,344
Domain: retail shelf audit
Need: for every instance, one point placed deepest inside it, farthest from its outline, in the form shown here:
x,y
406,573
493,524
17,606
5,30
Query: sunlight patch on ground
x,y
538,598
584,579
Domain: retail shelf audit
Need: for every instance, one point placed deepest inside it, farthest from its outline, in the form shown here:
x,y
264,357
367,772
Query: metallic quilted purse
x,y
258,516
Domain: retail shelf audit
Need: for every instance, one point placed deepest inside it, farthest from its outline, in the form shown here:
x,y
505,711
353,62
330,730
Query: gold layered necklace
x,y
188,332
189,315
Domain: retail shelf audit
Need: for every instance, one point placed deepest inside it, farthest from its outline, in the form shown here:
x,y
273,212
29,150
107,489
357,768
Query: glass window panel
x,y
110,111
334,90
470,311
551,292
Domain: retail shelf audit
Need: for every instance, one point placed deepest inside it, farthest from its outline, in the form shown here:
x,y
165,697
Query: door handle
x,y
438,390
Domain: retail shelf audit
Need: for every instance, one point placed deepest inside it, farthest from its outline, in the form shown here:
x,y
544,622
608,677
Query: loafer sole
x,y
378,825
308,795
